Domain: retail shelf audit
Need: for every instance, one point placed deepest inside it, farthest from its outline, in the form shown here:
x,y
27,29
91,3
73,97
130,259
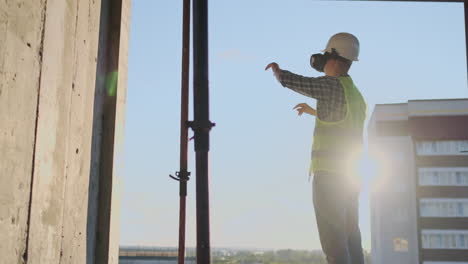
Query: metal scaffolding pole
x,y
183,175
201,126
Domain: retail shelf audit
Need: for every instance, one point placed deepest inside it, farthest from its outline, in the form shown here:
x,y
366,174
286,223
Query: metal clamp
x,y
181,176
200,125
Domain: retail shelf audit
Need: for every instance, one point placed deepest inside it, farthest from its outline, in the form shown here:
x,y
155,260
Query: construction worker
x,y
337,142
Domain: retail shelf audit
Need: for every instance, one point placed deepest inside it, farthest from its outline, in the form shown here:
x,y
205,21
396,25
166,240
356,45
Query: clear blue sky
x,y
260,148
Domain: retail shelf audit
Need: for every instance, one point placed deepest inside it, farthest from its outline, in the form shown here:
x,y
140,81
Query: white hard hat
x,y
346,44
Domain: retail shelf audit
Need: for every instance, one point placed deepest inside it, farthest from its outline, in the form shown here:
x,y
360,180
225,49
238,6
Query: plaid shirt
x,y
331,102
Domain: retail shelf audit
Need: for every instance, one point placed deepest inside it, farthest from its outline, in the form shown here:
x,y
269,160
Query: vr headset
x,y
318,61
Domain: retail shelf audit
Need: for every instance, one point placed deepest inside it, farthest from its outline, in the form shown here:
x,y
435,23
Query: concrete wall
x,y
393,191
48,88
109,127
20,70
393,203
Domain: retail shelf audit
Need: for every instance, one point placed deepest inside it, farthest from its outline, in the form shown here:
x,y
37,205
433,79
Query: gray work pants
x,y
336,211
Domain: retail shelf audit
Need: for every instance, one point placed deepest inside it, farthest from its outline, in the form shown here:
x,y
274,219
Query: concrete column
x,y
57,179
110,102
57,230
20,71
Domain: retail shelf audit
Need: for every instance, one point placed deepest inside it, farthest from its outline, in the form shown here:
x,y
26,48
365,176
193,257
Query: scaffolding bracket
x,y
182,176
200,126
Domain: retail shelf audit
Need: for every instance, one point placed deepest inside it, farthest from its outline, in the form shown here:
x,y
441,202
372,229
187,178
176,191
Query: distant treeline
x,y
286,256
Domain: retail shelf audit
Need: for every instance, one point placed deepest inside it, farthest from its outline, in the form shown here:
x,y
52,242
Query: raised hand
x,y
276,69
305,108
274,66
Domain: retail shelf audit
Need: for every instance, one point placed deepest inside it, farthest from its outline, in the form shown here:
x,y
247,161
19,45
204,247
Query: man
x,y
341,112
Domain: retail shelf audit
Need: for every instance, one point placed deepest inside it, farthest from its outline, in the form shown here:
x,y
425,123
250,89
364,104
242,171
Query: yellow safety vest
x,y
337,145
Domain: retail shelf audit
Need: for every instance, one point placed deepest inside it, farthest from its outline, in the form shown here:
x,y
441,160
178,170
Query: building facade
x,y
419,199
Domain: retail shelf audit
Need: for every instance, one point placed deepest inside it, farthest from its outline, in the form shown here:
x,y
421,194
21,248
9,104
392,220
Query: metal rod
x,y
465,7
183,174
201,126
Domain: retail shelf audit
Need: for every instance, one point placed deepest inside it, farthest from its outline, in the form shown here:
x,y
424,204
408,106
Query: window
x,y
443,207
446,147
443,176
444,239
400,244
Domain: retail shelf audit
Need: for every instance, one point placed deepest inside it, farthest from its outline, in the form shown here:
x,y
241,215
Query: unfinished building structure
x,y
63,71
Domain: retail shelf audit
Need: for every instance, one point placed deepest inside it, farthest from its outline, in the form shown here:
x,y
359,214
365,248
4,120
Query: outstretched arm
x,y
320,88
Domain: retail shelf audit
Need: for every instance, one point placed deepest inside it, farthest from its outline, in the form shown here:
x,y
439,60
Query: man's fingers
x,y
272,65
299,105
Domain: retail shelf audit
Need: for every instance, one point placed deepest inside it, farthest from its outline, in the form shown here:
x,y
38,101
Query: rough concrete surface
x,y
114,49
58,213
119,131
20,60
48,58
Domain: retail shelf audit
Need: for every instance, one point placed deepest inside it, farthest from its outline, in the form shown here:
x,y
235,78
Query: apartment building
x,y
419,197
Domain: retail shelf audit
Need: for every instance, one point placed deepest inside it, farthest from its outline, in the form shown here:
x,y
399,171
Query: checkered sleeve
x,y
326,89
320,88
